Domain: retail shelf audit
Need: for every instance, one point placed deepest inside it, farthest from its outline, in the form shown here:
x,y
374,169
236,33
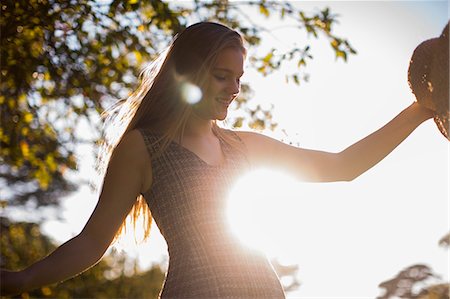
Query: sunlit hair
x,y
159,103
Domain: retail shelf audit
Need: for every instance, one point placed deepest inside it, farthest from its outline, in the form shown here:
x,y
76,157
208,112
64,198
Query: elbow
x,y
349,178
329,175
93,248
342,174
345,170
338,177
333,168
347,175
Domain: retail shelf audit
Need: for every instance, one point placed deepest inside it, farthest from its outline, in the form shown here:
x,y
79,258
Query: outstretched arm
x,y
123,182
366,153
320,166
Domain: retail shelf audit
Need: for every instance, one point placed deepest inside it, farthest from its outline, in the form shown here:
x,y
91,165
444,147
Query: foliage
x,y
113,277
401,286
413,282
63,62
445,241
23,243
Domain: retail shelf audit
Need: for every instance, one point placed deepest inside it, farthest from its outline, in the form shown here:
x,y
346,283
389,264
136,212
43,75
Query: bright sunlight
x,y
262,210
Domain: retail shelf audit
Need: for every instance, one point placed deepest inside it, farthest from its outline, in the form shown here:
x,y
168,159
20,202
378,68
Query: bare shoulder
x,y
246,135
256,140
132,151
260,148
132,145
134,137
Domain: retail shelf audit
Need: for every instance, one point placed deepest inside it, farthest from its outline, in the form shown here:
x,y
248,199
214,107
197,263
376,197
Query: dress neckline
x,y
197,157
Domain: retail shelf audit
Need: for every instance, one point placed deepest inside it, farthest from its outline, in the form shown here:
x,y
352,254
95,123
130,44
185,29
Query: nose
x,y
235,88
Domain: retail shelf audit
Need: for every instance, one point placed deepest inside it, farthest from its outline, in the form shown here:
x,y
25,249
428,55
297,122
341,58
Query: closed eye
x,y
220,78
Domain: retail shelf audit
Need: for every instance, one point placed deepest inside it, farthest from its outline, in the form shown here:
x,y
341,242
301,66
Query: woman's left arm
x,y
366,153
311,165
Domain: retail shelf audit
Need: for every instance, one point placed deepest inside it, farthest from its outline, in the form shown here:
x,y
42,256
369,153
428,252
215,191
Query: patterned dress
x,y
188,203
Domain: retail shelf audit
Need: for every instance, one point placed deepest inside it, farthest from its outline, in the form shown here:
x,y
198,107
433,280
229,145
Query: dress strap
x,y
151,139
235,145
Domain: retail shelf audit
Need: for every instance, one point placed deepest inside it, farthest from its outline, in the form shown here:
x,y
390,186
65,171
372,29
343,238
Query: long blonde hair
x,y
157,104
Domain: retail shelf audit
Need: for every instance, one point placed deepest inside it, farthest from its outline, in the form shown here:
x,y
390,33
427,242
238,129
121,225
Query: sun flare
x,y
262,209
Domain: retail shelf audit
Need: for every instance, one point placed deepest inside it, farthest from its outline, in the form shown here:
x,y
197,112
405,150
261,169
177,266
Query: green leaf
x,y
268,57
43,72
262,69
341,54
238,122
335,43
301,62
263,10
302,16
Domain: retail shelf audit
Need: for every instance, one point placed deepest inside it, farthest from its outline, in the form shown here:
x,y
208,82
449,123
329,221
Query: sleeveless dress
x,y
188,203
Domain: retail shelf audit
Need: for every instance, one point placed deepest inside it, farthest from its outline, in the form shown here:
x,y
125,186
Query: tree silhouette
x,y
63,62
23,243
413,282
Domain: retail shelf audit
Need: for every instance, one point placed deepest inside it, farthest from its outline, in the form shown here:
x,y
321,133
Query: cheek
x,y
214,88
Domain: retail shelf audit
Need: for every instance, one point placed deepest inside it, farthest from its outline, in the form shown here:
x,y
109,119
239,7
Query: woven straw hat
x,y
429,80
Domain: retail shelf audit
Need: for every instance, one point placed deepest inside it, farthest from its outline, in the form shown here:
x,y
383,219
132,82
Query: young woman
x,y
175,161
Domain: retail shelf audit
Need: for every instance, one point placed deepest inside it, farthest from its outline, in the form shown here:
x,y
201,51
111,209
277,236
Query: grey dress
x,y
188,203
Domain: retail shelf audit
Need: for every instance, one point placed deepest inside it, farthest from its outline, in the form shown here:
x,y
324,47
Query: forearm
x,y
68,260
366,153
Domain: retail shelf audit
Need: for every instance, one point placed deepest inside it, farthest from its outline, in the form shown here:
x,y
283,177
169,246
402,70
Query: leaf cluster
x,y
64,62
413,282
61,64
23,244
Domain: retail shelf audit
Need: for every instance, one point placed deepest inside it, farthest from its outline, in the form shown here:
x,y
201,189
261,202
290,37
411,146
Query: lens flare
x,y
191,93
261,209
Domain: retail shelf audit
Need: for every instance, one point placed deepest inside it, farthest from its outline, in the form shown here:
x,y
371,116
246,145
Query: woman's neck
x,y
198,127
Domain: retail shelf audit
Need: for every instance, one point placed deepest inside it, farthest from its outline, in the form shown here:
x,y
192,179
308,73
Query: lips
x,y
224,101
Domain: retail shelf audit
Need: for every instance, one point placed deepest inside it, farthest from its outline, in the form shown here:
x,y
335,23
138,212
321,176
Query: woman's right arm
x,y
128,174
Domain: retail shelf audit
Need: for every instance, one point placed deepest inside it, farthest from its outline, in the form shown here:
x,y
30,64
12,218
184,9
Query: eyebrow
x,y
226,70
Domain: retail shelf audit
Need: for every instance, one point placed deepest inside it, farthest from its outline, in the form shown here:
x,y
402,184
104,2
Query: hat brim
x,y
428,77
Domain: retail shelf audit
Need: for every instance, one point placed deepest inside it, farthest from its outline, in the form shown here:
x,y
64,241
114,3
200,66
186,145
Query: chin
x,y
221,116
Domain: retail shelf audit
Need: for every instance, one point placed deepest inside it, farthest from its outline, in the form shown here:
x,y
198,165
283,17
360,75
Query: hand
x,y
11,283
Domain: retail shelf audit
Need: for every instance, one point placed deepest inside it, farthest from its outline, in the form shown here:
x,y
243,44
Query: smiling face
x,y
223,85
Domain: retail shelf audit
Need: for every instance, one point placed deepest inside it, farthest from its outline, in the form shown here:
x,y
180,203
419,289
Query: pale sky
x,y
346,237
